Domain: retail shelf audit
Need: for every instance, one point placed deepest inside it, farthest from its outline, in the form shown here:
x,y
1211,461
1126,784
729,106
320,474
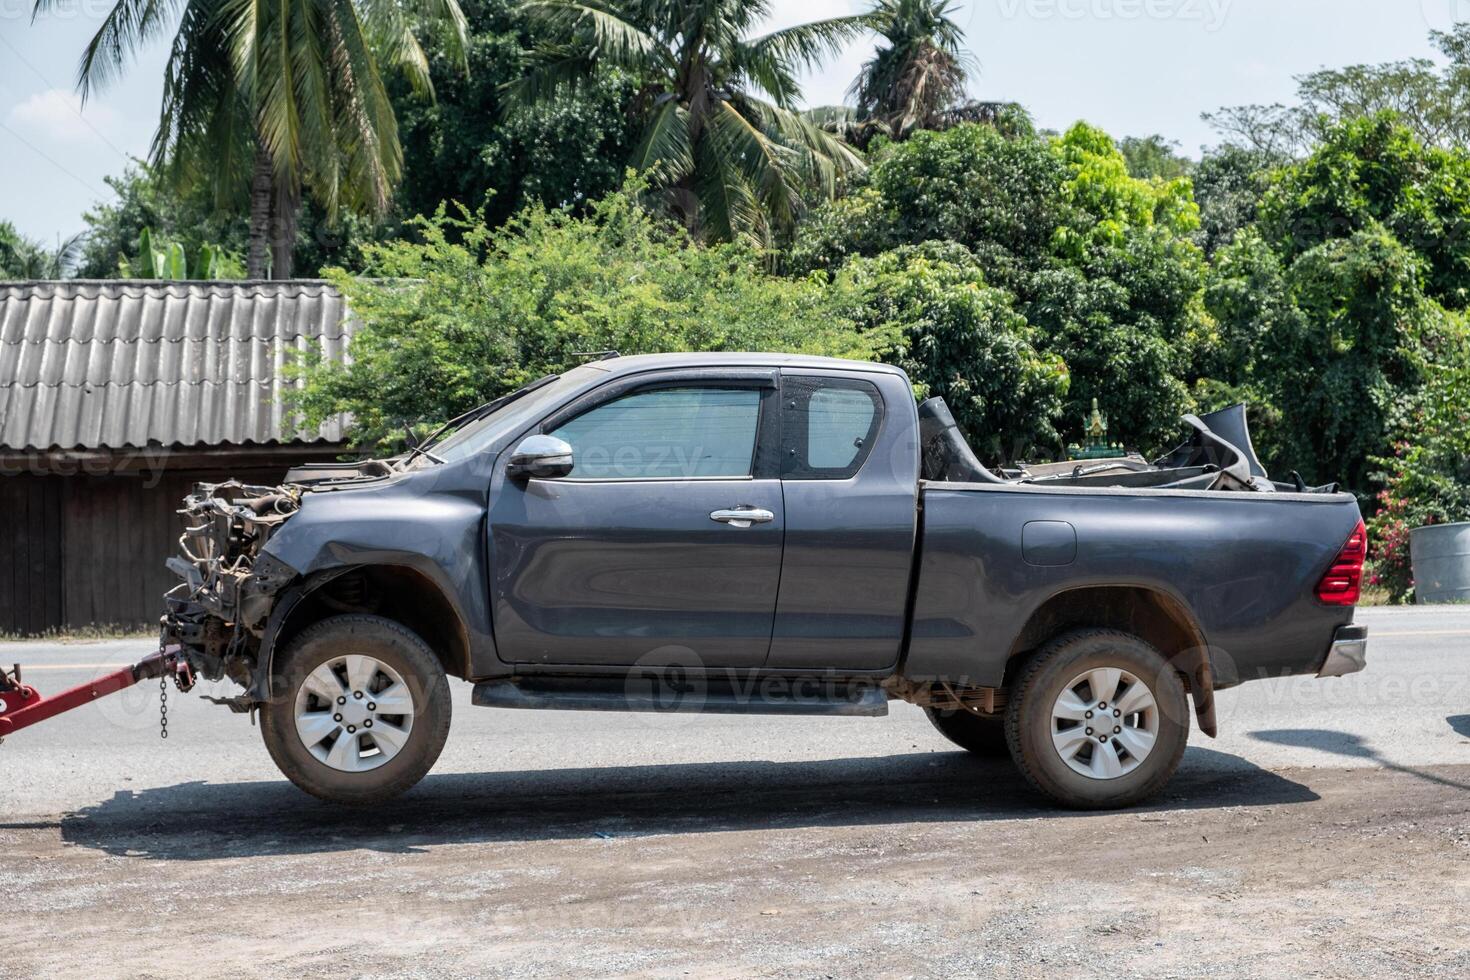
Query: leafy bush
x,y
470,312
1428,478
964,341
1101,265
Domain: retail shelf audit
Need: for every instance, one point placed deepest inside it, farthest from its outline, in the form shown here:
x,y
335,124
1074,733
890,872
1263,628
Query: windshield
x,y
476,436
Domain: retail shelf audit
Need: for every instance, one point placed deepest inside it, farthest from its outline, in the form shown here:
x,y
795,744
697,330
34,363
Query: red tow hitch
x,y
23,705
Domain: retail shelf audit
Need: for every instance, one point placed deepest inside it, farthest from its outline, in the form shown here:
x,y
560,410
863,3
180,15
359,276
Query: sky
x,y
1134,67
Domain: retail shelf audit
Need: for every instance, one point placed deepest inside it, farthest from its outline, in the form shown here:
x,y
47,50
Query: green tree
x,y
1370,172
719,135
263,101
1102,265
917,73
964,341
26,258
1428,478
1431,99
158,258
1154,156
468,311
1229,184
468,143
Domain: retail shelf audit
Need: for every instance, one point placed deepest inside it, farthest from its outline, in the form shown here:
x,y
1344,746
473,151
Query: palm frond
x,y
128,26
768,167
554,71
665,146
728,210
808,45
613,38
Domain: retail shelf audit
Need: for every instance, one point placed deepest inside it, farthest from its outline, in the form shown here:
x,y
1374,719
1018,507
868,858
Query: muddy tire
x,y
984,736
1097,720
360,710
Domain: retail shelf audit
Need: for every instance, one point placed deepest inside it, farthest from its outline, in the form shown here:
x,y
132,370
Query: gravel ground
x,y
803,871
1327,833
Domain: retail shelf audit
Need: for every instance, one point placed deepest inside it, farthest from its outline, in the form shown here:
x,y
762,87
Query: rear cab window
x,y
828,426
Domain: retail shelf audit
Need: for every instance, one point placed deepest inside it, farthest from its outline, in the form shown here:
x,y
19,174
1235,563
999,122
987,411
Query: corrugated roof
x,y
94,364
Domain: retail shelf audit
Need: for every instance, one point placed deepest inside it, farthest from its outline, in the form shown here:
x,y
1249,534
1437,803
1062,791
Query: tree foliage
x,y
1334,306
469,144
25,258
964,341
263,100
1428,476
470,311
1102,265
918,72
1432,100
720,137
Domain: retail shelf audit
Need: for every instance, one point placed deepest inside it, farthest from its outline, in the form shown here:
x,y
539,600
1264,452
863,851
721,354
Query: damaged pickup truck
x,y
762,534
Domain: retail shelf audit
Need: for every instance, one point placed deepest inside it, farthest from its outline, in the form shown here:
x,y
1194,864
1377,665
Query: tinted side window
x,y
666,433
828,426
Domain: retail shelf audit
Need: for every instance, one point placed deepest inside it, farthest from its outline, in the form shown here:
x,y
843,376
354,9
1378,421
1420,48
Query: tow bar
x,y
22,706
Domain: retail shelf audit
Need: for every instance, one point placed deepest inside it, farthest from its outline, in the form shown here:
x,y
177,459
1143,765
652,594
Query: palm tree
x,y
918,76
265,99
26,258
722,140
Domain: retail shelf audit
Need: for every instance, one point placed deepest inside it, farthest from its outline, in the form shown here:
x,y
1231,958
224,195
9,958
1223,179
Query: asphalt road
x,y
1326,833
1411,708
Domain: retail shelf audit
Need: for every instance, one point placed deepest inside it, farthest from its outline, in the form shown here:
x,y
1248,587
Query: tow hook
x,y
24,706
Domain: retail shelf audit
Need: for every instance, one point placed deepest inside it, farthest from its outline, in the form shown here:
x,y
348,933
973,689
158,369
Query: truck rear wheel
x,y
361,710
982,735
1097,719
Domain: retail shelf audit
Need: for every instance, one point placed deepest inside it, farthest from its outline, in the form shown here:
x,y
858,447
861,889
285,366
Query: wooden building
x,y
115,397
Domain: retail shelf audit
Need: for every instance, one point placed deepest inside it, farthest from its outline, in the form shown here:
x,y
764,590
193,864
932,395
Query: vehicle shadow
x,y
1460,723
197,821
1353,747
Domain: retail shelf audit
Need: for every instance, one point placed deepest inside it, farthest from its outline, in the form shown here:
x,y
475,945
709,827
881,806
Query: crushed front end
x,y
219,612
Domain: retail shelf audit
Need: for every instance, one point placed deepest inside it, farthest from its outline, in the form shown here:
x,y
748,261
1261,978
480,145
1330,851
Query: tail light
x,y
1344,580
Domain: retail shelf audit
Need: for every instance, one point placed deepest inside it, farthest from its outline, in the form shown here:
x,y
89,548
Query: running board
x,y
771,696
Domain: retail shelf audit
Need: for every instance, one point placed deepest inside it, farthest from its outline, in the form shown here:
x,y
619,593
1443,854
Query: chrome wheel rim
x,y
354,713
1104,723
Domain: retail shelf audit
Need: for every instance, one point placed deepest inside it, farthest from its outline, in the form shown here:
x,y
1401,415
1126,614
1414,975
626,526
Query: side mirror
x,y
540,456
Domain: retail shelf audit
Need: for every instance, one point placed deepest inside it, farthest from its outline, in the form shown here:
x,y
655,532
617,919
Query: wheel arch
x,y
1151,614
400,593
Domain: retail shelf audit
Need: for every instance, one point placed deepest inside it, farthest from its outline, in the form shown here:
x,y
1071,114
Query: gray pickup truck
x,y
762,534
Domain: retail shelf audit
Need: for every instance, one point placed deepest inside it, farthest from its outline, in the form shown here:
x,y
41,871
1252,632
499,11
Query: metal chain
x,y
163,707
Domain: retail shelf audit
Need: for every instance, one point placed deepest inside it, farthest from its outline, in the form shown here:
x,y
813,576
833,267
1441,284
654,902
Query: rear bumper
x,y
1348,653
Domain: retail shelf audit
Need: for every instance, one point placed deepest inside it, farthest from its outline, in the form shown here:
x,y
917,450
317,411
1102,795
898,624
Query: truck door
x,y
849,469
663,543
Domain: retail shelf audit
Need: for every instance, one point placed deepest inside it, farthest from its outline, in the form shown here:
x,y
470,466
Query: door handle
x,y
742,516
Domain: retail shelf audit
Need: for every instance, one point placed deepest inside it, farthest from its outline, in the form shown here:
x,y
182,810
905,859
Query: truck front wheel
x,y
360,710
1097,719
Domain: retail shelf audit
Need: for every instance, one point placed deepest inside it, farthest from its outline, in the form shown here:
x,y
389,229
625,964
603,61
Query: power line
x,y
75,111
51,160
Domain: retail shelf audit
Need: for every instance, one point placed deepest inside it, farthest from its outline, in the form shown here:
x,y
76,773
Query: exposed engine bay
x,y
218,613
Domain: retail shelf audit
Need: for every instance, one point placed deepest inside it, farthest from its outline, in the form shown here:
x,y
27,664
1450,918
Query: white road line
x,y
1372,633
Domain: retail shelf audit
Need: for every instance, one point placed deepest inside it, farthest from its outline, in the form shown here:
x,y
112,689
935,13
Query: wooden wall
x,y
90,550
30,554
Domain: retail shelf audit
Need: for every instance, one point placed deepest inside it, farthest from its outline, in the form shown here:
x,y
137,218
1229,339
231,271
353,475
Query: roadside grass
x,y
1373,595
82,634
